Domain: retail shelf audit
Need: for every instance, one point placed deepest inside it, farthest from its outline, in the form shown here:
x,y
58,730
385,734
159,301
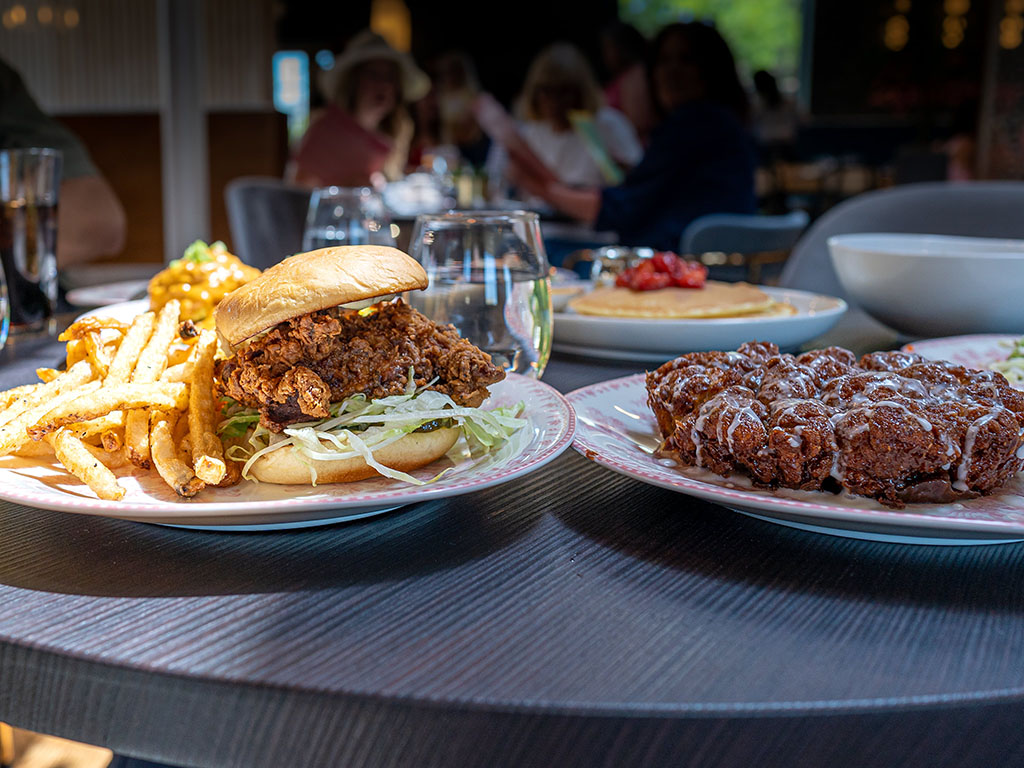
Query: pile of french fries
x,y
136,394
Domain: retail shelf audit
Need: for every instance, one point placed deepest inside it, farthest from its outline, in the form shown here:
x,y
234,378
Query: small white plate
x,y
617,430
645,339
102,295
263,506
125,311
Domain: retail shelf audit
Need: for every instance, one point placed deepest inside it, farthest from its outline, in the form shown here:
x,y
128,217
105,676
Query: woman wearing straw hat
x,y
365,129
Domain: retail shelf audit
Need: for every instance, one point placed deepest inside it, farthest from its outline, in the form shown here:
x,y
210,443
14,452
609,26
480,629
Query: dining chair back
x,y
970,209
738,246
267,217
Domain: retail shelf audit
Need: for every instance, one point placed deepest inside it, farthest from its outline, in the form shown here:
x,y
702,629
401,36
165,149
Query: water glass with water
x,y
29,183
346,216
489,278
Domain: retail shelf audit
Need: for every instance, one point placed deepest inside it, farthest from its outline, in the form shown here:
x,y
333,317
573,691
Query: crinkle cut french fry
x,y
15,421
178,475
207,451
79,461
134,342
120,397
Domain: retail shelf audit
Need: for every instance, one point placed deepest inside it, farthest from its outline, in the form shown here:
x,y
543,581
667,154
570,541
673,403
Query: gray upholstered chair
x,y
971,209
739,246
267,218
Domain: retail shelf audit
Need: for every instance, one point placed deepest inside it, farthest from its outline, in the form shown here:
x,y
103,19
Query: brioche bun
x,y
417,449
310,282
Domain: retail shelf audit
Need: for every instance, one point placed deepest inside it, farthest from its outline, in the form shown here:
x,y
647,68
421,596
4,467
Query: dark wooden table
x,y
571,618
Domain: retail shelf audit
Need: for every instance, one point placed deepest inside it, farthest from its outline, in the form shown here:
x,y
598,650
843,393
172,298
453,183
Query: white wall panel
x,y
107,61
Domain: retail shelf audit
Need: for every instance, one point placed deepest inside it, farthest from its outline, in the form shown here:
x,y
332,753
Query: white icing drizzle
x,y
735,421
939,398
786,385
869,411
836,472
925,424
739,403
960,484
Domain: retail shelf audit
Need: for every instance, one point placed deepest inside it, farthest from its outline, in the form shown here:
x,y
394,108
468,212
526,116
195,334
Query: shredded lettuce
x,y
238,425
358,427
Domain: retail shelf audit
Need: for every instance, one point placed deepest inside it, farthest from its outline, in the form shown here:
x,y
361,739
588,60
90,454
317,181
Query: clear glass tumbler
x,y
29,183
489,278
346,216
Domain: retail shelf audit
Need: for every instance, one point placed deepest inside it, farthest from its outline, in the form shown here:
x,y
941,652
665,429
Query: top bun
x,y
309,282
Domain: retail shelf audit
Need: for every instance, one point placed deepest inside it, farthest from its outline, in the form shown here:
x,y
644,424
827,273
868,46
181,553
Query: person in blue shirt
x,y
701,158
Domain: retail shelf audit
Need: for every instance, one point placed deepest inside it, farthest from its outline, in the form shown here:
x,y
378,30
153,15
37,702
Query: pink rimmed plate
x,y
617,430
975,351
262,506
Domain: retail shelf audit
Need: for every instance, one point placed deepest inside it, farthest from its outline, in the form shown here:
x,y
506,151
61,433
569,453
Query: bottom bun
x,y
289,467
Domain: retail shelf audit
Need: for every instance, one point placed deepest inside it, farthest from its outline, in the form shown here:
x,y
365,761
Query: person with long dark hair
x,y
701,158
624,52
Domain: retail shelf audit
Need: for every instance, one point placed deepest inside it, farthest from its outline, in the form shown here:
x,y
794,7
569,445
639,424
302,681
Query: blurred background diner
x,y
364,130
559,94
700,159
625,121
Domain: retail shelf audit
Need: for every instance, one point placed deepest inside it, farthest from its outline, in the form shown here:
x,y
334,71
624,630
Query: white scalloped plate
x,y
974,351
648,340
617,430
262,506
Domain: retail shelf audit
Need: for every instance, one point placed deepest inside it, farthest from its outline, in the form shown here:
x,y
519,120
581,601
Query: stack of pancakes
x,y
714,300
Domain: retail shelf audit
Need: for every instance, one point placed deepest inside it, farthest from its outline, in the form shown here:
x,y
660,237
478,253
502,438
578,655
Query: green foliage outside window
x,y
763,34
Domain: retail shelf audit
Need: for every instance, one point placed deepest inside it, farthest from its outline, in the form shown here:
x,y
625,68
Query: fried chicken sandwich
x,y
332,380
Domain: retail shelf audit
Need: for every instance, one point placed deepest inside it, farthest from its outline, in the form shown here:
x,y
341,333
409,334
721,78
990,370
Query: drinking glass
x,y
489,278
346,216
29,181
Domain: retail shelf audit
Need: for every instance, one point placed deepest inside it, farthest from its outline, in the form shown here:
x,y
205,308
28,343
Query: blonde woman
x,y
365,130
560,85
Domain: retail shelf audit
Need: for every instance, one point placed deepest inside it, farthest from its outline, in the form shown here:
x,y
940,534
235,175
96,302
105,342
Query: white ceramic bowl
x,y
934,285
